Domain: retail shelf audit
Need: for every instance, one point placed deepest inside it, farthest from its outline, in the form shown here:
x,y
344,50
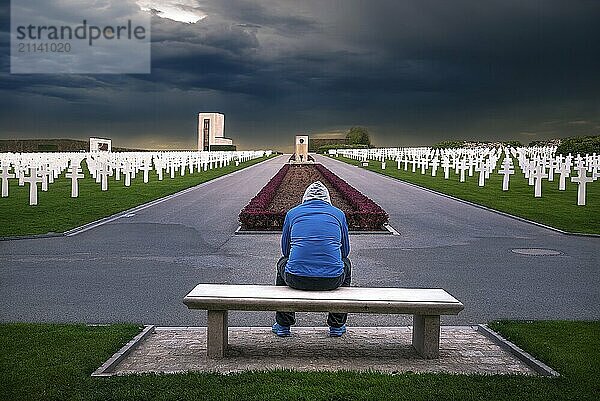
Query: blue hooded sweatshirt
x,y
315,236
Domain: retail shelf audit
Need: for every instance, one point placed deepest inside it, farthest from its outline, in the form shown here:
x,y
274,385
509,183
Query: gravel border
x,y
106,370
540,367
465,350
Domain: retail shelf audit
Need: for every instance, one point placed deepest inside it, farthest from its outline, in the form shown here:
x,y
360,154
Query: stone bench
x,y
426,306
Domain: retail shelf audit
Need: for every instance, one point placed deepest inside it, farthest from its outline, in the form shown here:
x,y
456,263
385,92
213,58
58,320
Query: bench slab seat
x,y
426,306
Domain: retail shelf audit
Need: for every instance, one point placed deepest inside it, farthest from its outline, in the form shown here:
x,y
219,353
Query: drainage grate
x,y
536,252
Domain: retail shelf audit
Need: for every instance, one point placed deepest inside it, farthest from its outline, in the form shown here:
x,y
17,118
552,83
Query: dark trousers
x,y
312,284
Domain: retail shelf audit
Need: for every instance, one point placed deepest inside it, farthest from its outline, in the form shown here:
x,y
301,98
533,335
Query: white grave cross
x,y
446,166
147,166
506,171
127,171
481,168
434,166
33,179
539,173
462,166
74,175
582,179
102,172
5,175
565,171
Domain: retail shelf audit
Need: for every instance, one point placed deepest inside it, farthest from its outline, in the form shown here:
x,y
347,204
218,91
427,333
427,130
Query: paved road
x,y
138,269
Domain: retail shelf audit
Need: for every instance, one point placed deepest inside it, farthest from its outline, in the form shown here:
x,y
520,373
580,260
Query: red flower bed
x,y
256,215
266,211
366,214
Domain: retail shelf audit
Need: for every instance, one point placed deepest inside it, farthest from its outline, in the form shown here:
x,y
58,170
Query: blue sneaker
x,y
281,331
337,331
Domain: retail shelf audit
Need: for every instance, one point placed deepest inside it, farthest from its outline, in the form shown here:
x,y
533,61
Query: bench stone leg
x,y
216,342
426,336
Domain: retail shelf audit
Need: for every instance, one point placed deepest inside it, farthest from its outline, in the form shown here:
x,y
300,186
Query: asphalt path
x,y
138,268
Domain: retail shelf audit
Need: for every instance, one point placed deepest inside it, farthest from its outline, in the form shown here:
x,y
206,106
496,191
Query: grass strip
x,y
57,212
54,362
555,208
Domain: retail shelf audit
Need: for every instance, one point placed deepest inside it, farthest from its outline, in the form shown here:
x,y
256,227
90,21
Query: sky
x,y
414,72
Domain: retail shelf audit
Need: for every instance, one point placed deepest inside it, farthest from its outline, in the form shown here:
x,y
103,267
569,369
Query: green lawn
x,y
555,208
54,362
57,212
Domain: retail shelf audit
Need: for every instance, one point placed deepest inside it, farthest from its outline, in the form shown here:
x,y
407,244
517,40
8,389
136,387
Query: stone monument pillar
x,y
301,148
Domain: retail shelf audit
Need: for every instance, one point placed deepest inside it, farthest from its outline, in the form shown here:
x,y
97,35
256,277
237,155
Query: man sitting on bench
x,y
315,249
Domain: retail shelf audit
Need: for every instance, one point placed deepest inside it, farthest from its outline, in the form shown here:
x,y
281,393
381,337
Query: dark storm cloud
x,y
413,71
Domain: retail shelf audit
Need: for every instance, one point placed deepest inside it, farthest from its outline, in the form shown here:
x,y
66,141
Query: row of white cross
x,y
536,164
44,168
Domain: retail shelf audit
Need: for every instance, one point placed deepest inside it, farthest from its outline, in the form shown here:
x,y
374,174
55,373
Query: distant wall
x,y
48,145
223,148
43,145
316,143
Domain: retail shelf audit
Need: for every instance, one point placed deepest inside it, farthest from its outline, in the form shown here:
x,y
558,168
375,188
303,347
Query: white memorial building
x,y
100,145
211,131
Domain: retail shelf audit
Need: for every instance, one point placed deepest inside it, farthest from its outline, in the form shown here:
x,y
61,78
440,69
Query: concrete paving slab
x,y
463,349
